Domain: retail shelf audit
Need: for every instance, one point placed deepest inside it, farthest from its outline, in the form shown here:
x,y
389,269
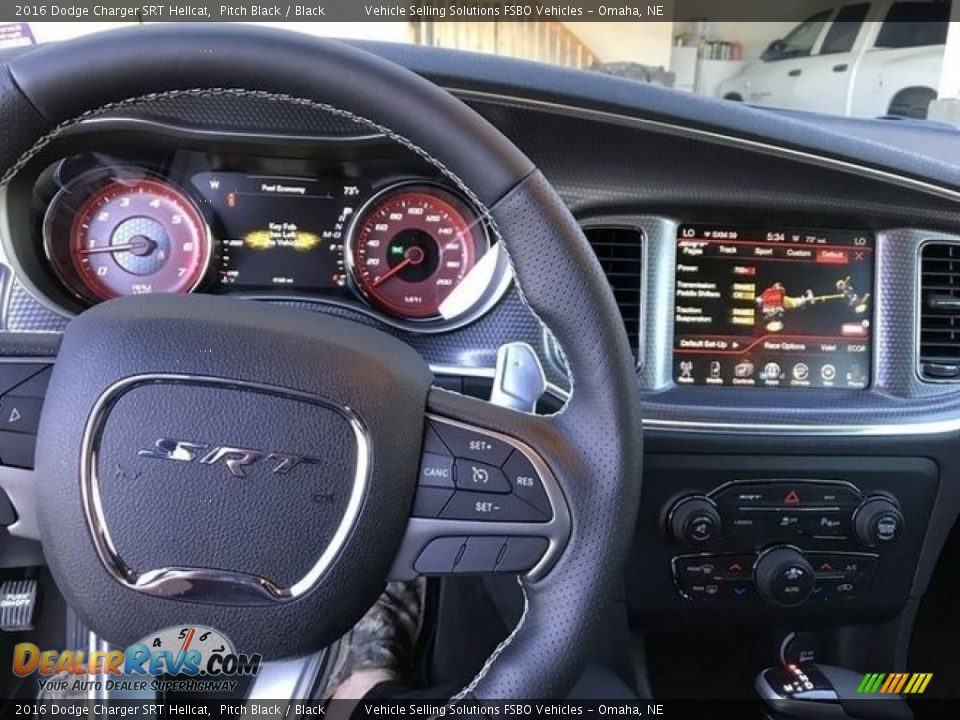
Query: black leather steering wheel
x,y
136,543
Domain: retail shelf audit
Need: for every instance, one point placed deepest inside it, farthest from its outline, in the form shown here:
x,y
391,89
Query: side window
x,y
846,26
800,41
914,24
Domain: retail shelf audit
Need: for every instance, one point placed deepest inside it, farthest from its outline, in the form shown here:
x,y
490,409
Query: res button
x,y
526,482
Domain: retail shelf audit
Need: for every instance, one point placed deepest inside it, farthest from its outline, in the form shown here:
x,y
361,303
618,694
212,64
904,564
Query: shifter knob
x,y
783,576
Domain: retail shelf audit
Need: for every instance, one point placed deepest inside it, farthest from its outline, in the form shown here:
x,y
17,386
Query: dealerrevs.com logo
x,y
180,659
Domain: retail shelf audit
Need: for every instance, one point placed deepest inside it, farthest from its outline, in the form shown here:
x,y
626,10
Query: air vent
x,y
940,312
620,252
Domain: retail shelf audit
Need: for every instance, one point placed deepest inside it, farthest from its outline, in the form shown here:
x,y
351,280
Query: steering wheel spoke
x,y
487,501
23,383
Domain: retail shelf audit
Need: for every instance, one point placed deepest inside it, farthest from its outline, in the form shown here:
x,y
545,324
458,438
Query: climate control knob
x,y
694,520
783,576
878,520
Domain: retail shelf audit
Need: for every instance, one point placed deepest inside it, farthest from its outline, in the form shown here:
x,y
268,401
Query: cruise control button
x,y
435,470
432,442
429,501
526,482
480,555
490,507
16,374
439,557
478,476
521,554
35,385
20,414
473,445
17,449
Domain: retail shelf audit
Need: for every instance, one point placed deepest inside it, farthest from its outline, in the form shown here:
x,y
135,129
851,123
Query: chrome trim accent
x,y
199,584
930,427
714,136
918,307
420,531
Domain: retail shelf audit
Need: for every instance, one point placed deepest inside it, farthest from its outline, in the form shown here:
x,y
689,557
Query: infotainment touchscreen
x,y
773,307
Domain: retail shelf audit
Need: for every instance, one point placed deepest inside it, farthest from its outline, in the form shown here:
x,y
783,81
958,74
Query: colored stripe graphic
x,y
894,683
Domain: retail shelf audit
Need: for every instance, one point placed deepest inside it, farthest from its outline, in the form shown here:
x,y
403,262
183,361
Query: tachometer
x,y
127,237
412,246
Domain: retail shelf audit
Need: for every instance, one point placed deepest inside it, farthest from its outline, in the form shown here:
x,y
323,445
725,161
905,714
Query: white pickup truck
x,y
866,59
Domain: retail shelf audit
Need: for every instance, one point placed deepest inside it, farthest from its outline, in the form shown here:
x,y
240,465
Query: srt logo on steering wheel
x,y
235,459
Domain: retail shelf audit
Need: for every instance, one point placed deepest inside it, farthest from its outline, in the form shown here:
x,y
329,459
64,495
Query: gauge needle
x,y
413,256
141,246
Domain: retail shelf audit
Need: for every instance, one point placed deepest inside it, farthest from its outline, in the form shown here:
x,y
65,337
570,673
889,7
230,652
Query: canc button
x,y
436,470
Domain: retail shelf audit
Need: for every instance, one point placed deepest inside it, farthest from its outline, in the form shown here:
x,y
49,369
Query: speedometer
x,y
412,246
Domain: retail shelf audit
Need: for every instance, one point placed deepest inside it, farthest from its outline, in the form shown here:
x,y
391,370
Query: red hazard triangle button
x,y
791,498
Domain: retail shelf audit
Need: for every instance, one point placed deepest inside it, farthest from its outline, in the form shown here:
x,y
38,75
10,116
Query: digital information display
x,y
279,232
773,308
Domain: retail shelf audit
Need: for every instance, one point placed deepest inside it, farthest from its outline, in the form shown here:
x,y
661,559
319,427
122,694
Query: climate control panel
x,y
773,520
762,539
748,512
783,575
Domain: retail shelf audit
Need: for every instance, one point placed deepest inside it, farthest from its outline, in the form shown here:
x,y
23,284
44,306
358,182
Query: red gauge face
x,y
412,247
133,237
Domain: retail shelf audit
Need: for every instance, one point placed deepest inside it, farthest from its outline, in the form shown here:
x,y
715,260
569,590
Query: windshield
x,y
884,58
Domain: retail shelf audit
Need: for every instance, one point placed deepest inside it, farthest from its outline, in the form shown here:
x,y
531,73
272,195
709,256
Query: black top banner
x,y
412,11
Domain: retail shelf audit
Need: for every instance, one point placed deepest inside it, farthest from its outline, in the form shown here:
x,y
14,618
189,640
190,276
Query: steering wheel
x,y
252,468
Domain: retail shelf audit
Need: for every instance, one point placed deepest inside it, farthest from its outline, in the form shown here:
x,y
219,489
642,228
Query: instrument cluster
x,y
407,248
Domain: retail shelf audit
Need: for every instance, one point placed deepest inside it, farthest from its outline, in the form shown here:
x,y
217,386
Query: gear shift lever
x,y
812,691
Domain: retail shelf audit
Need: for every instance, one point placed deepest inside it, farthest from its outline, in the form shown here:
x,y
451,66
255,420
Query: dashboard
x,y
774,297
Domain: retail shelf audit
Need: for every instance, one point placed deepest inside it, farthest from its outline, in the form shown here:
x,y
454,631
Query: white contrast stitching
x,y
497,650
386,132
